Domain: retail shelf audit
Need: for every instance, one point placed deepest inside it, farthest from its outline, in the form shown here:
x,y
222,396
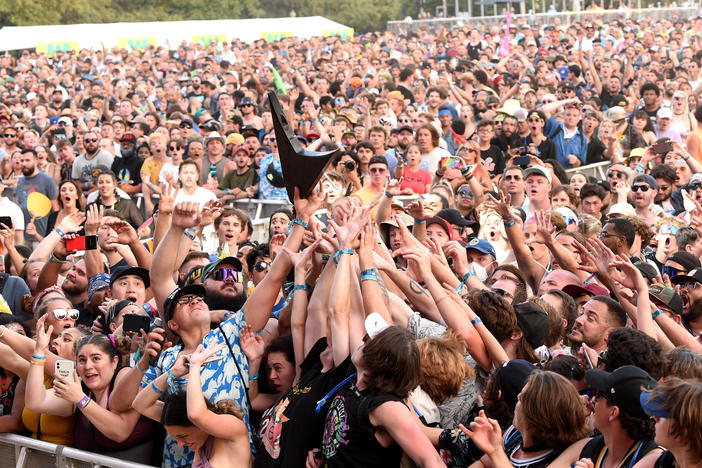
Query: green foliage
x,y
362,15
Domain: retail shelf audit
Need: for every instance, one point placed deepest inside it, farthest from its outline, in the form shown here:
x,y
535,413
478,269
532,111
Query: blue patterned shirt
x,y
220,381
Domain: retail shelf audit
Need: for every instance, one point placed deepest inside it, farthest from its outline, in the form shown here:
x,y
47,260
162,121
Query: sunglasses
x,y
223,273
62,124
193,275
188,299
690,285
502,292
642,188
261,265
569,220
185,125
534,120
61,314
696,185
90,140
8,135
247,105
377,170
174,148
466,194
671,271
668,229
20,129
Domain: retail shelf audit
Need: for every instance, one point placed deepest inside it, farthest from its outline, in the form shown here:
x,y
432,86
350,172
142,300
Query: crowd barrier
x,y
595,16
24,452
597,170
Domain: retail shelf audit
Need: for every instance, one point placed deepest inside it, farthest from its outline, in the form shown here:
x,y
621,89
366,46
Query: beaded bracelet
x,y
300,222
156,389
341,252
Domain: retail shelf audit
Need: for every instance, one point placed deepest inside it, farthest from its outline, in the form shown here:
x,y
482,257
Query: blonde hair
x,y
443,366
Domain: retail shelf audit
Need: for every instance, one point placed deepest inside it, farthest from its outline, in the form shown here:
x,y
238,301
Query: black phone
x,y
135,322
663,148
522,161
6,221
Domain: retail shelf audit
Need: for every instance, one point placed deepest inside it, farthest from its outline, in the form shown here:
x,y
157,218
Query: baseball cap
x,y
655,407
664,113
247,101
172,299
512,378
623,209
694,275
405,128
615,113
520,114
210,267
97,282
128,138
441,222
234,139
482,246
593,289
538,170
622,387
375,323
249,130
66,121
126,270
686,260
533,321
667,296
646,269
241,148
385,226
454,216
647,179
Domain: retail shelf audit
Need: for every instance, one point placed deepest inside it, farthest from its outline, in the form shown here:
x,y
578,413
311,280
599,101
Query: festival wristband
x,y
341,252
655,314
476,321
60,232
85,401
156,389
509,222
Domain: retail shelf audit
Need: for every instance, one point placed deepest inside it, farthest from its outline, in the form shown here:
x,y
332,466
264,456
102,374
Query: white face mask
x,y
479,271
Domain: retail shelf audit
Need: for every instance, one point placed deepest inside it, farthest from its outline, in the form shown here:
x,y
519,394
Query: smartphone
x,y
6,221
522,161
64,368
82,243
662,148
450,162
135,323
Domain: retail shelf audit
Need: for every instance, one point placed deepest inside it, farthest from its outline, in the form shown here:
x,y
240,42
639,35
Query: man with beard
x,y
398,156
664,175
224,287
600,316
128,167
508,137
33,180
88,165
691,292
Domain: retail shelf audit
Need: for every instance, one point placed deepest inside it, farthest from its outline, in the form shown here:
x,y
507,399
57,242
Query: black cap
x,y
533,321
425,64
454,216
685,259
170,302
646,269
512,378
694,275
622,387
405,127
126,270
249,130
128,138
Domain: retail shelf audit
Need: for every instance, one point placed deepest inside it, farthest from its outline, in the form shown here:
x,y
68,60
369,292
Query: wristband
x,y
416,221
459,288
38,358
90,243
476,321
369,274
302,223
301,287
509,222
172,379
656,314
156,389
189,235
388,194
341,252
314,120
85,401
253,377
325,259
38,362
60,232
55,259
226,190
143,371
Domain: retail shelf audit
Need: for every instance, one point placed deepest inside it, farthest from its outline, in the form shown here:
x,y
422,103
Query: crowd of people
x,y
459,289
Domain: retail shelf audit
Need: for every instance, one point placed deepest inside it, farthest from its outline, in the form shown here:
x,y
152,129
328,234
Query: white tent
x,y
168,33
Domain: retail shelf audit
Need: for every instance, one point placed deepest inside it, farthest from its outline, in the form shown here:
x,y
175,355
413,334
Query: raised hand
x,y
625,273
211,211
305,207
435,248
600,253
8,235
275,244
485,432
455,251
126,234
43,335
502,206
201,354
93,219
544,228
72,223
416,210
299,259
348,230
186,215
420,256
251,344
168,194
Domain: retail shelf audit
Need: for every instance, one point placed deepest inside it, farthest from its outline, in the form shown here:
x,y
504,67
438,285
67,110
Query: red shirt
x,y
415,180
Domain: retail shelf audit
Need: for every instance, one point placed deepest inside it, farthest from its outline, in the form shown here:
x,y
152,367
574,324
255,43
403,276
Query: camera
x,y
522,150
349,165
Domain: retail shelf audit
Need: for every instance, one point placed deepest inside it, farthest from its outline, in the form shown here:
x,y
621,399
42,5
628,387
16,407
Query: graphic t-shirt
x,y
415,180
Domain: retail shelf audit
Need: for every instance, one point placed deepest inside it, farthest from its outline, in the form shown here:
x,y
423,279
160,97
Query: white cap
x,y
664,113
375,323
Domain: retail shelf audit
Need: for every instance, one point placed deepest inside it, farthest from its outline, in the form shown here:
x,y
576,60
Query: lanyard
x,y
321,402
635,449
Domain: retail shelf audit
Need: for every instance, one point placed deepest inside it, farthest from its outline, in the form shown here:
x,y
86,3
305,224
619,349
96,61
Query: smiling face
x,y
188,436
106,185
94,367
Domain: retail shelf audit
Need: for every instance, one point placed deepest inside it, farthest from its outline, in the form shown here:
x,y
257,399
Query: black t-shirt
x,y
291,427
513,441
349,437
596,446
547,149
506,142
474,50
128,170
493,160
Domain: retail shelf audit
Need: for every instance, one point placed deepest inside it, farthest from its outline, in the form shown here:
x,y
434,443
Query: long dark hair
x,y
78,191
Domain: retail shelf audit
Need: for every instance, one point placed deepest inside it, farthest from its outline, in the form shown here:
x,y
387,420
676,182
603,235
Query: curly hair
x,y
629,346
495,312
392,362
443,365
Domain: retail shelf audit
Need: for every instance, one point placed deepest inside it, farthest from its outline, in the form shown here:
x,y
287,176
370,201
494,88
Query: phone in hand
x,y
64,368
522,161
663,148
450,162
135,323
6,221
82,243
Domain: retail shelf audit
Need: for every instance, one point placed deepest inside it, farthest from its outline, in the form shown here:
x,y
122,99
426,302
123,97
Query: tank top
x,y
55,429
203,454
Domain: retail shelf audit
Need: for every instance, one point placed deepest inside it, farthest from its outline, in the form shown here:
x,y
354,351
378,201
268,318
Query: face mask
x,y
479,271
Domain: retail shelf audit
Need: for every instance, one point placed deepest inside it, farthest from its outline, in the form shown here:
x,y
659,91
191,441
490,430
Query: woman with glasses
x,y
471,154
61,345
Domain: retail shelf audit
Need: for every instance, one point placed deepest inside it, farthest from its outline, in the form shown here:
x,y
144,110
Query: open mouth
x,y
132,298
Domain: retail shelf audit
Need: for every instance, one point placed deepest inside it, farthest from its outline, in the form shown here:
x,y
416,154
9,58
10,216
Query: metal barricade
x,y
597,170
24,452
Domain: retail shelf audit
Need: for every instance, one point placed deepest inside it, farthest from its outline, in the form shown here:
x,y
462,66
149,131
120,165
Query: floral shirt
x,y
266,190
220,381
